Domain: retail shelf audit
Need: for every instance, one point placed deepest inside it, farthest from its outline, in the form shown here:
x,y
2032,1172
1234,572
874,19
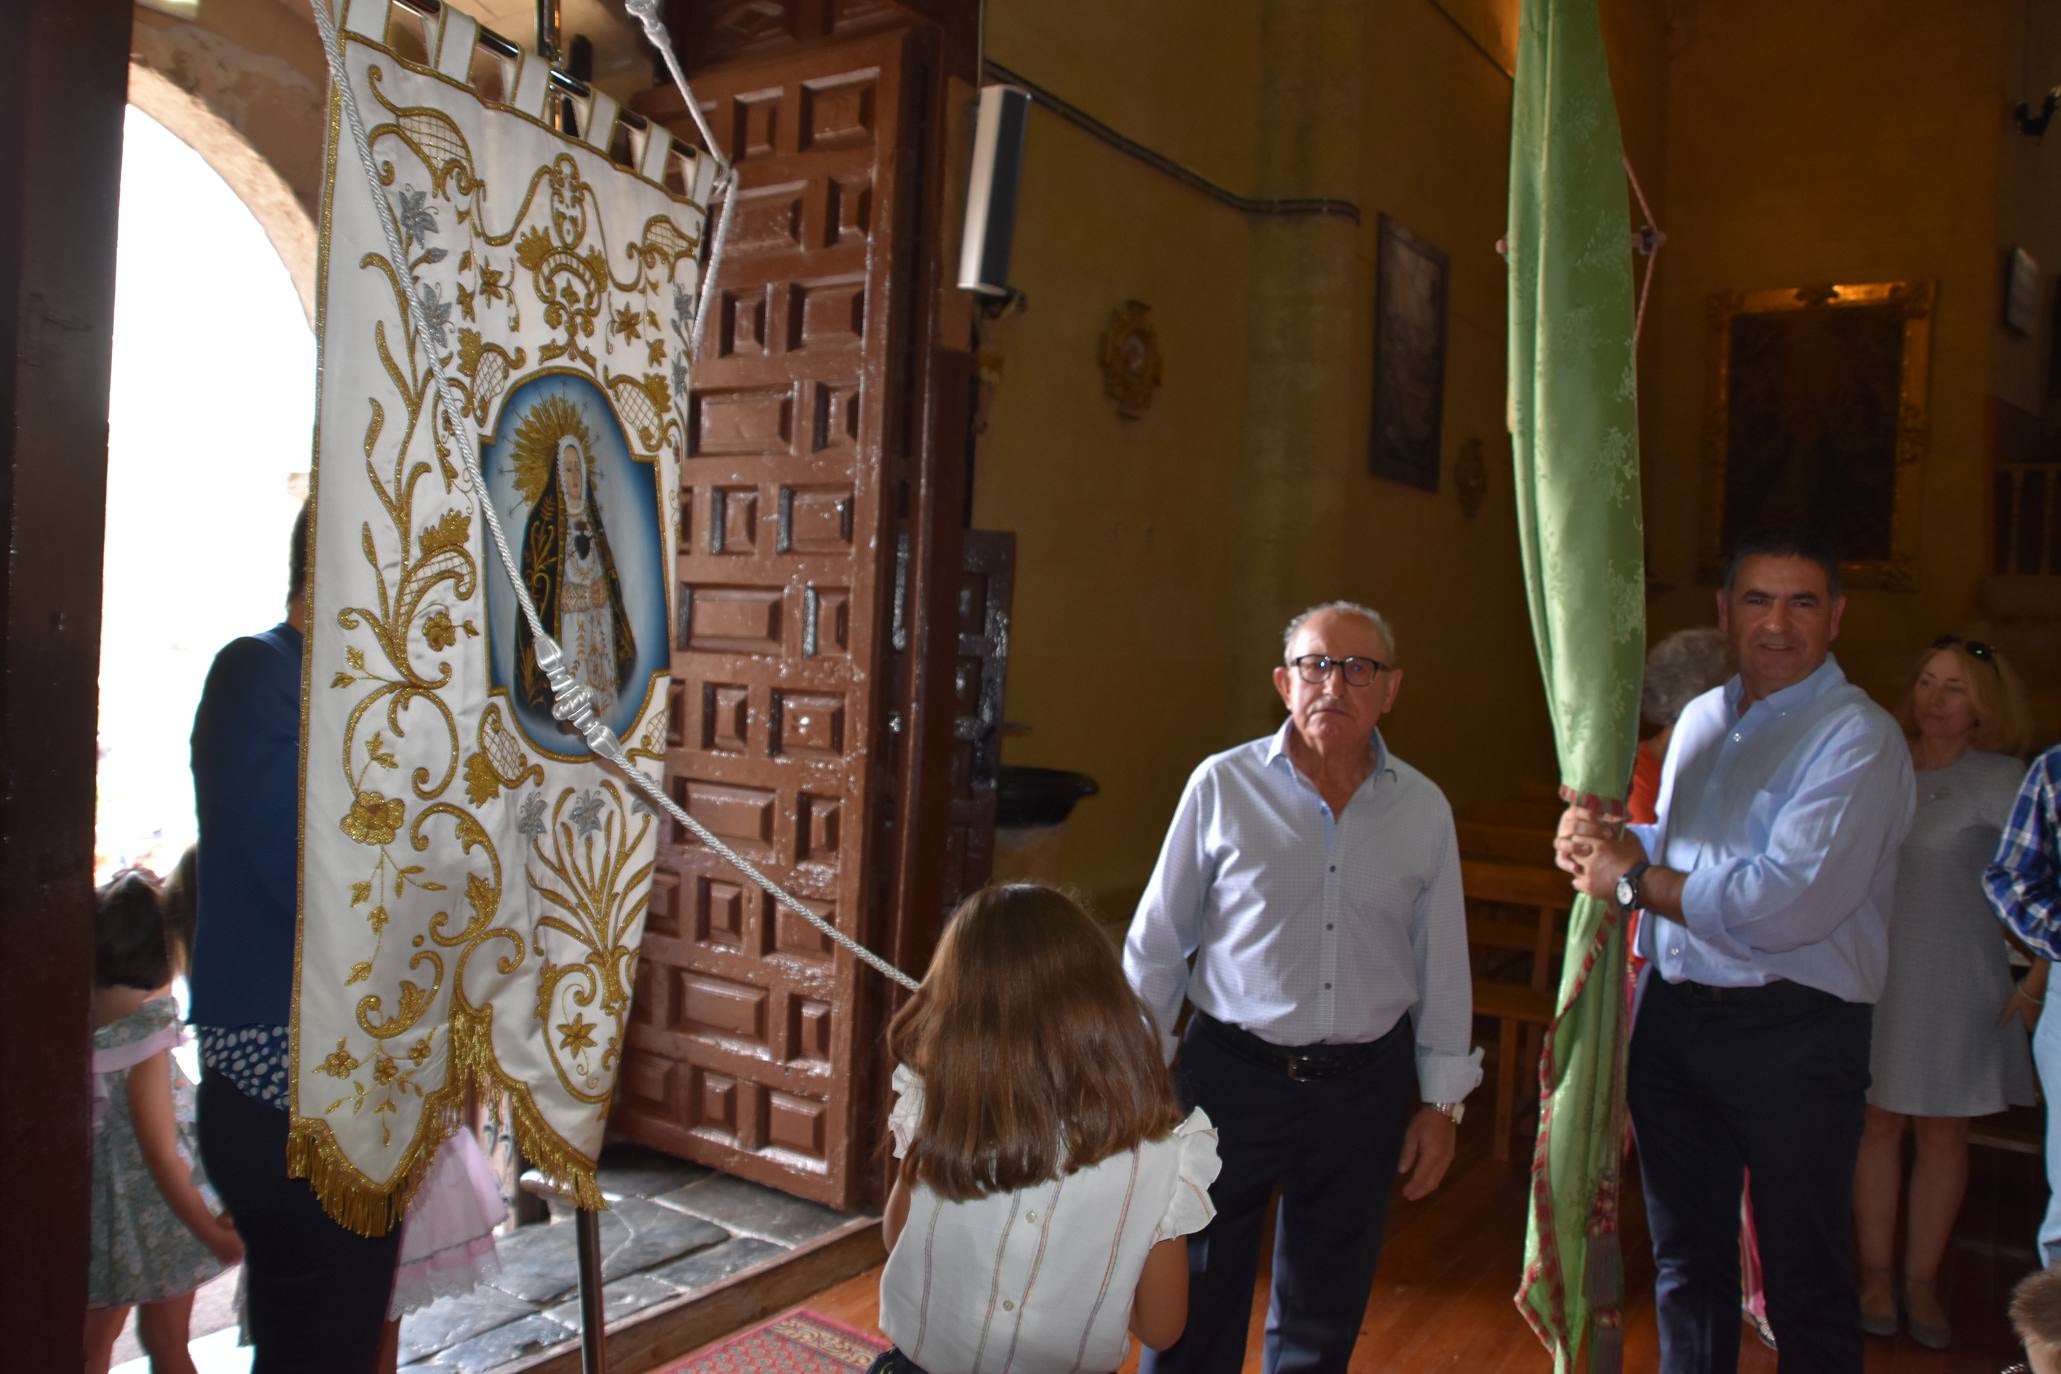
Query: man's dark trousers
x,y
317,1294
1771,1082
1331,1143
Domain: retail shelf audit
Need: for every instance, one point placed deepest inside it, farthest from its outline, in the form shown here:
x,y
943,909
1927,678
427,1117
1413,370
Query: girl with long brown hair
x,y
1047,1175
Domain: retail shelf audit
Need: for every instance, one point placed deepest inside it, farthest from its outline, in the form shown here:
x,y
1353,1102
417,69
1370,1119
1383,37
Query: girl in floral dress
x,y
157,1234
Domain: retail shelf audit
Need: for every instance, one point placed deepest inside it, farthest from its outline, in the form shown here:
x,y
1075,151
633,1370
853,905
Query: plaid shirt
x,y
2023,882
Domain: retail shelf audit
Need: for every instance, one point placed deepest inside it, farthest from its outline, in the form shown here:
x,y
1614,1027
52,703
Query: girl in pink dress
x,y
447,1238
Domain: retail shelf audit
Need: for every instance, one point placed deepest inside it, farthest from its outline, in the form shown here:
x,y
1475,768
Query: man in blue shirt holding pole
x,y
1766,881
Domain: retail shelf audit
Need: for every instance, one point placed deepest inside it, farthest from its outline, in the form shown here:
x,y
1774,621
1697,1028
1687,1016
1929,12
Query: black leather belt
x,y
1302,1063
1776,992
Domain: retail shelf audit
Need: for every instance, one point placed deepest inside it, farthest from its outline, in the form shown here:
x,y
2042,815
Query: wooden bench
x,y
1516,1008
1513,874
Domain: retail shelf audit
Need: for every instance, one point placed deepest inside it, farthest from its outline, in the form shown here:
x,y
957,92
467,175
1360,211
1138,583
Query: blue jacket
x,y
246,792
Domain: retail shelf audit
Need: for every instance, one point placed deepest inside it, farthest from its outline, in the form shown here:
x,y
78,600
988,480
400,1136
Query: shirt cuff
x,y
1703,902
1447,1077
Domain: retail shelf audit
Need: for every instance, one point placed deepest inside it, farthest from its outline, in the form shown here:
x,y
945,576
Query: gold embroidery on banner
x,y
586,878
651,744
425,592
432,136
499,761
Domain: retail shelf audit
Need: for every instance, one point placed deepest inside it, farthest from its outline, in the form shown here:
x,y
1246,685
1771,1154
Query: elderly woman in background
x,y
1950,1029
1679,669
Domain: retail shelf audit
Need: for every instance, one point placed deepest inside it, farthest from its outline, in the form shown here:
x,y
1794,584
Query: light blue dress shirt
x,y
1306,927
1787,819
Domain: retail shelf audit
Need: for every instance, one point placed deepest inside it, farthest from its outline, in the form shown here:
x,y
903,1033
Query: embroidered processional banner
x,y
473,880
1574,408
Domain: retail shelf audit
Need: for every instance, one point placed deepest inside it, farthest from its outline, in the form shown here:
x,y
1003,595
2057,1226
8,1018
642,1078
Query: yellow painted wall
x,y
1136,539
1125,528
1828,142
1434,143
1179,77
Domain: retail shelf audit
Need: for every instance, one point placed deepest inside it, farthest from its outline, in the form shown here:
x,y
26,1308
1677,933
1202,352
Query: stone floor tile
x,y
628,1170
448,1321
704,1268
504,1344
637,1234
540,1264
748,1209
623,1296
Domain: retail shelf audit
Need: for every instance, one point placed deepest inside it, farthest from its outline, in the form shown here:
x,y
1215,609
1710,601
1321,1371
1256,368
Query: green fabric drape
x,y
1574,422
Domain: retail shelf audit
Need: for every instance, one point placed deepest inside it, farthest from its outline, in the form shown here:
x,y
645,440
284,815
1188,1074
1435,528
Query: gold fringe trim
x,y
370,1207
352,1200
473,1060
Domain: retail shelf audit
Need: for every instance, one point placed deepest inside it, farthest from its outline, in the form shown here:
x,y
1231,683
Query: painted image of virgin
x,y
567,564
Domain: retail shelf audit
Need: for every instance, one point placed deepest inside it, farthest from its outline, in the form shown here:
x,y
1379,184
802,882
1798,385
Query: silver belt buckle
x,y
1295,1069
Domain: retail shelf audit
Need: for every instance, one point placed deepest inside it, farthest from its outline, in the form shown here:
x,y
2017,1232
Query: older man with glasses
x,y
1314,880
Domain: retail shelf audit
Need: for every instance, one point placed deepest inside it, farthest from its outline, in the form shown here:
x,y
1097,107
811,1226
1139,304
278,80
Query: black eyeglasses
x,y
1314,668
1975,647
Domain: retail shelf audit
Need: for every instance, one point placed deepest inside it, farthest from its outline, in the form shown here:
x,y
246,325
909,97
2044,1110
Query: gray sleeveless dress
x,y
1938,1048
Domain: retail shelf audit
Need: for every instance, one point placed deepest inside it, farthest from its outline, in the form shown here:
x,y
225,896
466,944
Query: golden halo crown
x,y
535,448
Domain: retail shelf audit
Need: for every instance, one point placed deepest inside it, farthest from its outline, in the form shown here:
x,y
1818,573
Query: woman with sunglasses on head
x,y
1950,1030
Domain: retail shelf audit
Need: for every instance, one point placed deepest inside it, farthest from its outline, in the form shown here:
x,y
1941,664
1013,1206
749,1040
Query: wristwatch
x,y
1628,885
1451,1111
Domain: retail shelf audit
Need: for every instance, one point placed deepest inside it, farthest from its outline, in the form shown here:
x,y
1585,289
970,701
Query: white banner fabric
x,y
473,880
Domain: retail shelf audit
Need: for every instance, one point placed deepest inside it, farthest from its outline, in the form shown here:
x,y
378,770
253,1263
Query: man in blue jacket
x,y
316,1294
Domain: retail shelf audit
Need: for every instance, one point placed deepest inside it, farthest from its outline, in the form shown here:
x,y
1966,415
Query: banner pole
x,y
593,1308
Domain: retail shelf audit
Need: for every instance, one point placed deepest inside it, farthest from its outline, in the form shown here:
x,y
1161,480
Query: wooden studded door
x,y
741,1043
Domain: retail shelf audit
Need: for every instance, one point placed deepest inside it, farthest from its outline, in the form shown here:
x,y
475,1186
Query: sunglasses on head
x,y
1975,647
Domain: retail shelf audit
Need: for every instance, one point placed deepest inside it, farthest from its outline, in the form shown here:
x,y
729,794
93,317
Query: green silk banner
x,y
1574,423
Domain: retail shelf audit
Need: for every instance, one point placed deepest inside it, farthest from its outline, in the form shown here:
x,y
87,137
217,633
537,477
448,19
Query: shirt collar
x,y
1827,676
1277,748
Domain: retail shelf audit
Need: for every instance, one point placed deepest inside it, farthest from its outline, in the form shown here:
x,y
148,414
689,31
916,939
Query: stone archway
x,y
257,184
242,84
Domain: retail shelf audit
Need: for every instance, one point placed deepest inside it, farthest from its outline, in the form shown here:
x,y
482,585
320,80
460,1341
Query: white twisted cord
x,y
571,701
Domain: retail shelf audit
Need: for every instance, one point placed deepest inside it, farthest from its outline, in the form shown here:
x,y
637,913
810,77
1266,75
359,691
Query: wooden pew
x,y
1502,867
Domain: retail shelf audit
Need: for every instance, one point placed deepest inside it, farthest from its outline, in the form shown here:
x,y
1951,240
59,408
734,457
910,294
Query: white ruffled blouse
x,y
1040,1279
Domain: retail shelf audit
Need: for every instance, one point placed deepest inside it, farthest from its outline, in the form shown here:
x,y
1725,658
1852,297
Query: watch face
x,y
1626,892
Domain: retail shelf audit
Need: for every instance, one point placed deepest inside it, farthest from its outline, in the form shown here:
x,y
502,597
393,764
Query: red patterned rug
x,y
797,1342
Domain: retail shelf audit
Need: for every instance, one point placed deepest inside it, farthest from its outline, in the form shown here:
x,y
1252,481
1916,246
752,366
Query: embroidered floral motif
x,y
531,821
341,1063
438,632
586,814
576,1035
373,819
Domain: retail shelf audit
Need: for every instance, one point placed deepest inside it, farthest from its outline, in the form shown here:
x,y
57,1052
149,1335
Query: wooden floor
x,y
1442,1300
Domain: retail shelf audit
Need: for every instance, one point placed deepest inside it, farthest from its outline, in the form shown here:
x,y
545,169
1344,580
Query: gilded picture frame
x,y
1818,414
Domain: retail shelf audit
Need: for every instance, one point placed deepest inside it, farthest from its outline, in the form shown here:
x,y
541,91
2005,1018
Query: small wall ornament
x,y
1131,369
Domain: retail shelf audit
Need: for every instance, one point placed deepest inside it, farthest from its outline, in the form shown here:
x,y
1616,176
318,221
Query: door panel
x,y
742,1041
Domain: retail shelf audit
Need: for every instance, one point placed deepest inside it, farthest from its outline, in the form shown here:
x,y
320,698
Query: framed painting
x,y
1818,416
1409,358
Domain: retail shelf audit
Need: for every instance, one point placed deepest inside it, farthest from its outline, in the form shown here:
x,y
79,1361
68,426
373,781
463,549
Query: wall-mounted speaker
x,y
991,190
